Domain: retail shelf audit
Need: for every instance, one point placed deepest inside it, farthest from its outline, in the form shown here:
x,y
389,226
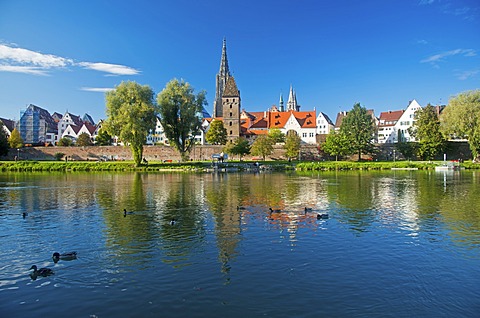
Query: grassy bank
x,y
383,165
204,165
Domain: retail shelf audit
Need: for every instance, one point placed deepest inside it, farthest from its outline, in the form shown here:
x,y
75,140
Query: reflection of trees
x,y
354,194
134,233
460,209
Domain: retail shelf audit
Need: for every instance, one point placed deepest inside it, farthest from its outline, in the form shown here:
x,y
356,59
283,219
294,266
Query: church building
x,y
227,105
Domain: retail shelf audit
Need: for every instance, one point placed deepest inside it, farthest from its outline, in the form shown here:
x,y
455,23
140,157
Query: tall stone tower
x,y
222,78
231,109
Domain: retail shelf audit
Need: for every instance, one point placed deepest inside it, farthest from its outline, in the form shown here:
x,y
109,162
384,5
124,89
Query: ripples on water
x,y
393,246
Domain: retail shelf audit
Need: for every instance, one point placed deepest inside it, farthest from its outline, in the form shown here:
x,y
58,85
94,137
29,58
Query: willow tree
x,y
130,115
180,114
461,118
358,129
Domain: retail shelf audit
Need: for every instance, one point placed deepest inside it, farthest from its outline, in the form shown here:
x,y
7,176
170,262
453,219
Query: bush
x,y
58,156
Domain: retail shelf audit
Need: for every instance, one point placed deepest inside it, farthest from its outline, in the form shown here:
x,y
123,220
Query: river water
x,y
395,244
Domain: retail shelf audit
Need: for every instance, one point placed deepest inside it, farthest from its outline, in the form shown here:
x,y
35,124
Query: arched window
x,y
230,123
231,132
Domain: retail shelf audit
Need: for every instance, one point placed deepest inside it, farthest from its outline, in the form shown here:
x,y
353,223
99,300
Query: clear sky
x,y
63,55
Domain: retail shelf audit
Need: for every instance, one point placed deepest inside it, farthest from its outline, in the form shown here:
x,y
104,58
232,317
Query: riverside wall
x,y
455,150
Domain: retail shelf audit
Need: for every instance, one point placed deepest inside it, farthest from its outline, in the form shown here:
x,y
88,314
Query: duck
x,y
42,271
274,210
241,208
64,256
308,209
24,214
125,212
173,221
322,216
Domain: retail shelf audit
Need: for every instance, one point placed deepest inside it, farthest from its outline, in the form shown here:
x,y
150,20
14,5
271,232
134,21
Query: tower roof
x,y
231,89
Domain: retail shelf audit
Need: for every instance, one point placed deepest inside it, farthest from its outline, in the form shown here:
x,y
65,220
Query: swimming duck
x,y
173,221
125,212
24,214
64,256
274,210
308,209
322,216
42,271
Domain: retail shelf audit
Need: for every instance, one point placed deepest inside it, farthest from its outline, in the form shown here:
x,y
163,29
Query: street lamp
x,y
393,155
18,153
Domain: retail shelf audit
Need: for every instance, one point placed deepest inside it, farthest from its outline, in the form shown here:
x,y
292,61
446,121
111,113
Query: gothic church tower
x,y
222,77
231,109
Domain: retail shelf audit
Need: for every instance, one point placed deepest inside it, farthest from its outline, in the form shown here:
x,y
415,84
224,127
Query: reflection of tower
x,y
231,109
222,78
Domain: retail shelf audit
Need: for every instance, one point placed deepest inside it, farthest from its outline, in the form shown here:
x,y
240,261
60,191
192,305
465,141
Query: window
x,y
304,135
311,135
230,123
231,132
231,114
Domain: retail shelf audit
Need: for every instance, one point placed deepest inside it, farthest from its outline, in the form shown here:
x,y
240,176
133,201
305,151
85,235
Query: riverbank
x,y
206,166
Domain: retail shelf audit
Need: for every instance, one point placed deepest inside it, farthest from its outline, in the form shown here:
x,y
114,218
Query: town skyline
x,y
334,54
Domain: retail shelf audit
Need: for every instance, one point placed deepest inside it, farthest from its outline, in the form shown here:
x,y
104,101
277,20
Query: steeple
x,y
280,103
292,100
224,70
222,77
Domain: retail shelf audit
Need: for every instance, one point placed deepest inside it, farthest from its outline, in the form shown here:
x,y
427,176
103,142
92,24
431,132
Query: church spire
x,y
292,100
222,78
280,103
224,70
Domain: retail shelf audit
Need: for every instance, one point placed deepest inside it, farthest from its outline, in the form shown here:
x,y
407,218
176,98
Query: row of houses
x,y
37,126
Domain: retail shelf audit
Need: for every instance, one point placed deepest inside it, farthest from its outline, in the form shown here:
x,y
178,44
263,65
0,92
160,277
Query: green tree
x,y
103,138
84,140
180,114
240,147
407,149
358,129
336,144
15,140
262,146
276,135
292,146
426,130
461,118
65,142
3,141
130,115
216,134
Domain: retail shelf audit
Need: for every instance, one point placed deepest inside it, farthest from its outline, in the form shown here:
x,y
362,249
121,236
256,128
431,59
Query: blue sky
x,y
63,55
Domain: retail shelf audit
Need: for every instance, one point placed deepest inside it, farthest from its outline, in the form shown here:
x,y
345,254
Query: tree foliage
x,y
407,149
426,130
65,142
84,140
292,145
239,147
103,138
180,110
461,118
3,141
276,135
358,128
262,146
336,144
216,134
15,140
130,115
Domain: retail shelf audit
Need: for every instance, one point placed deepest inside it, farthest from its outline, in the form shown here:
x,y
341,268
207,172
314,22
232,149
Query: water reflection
x,y
378,222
